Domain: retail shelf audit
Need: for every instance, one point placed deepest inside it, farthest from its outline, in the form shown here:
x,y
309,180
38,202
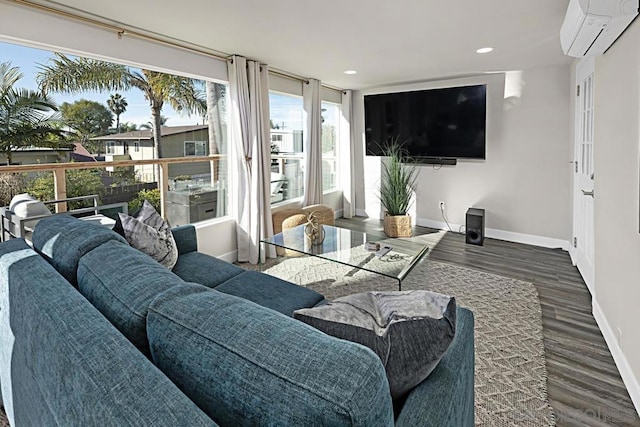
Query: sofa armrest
x,y
186,238
446,397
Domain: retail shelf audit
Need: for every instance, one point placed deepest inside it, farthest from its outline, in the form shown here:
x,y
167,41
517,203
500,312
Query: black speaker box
x,y
475,226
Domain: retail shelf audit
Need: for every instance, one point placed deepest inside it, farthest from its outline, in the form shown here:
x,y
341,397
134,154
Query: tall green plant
x,y
398,179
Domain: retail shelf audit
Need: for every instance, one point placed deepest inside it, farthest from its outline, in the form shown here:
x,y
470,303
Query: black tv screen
x,y
436,123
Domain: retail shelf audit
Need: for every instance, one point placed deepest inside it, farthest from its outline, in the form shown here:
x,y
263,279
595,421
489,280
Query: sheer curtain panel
x,y
312,143
250,152
347,156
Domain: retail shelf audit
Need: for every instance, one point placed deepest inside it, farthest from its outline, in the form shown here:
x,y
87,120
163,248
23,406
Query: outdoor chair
x,y
19,222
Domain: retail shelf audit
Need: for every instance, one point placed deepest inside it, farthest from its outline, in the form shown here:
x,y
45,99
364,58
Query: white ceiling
x,y
385,41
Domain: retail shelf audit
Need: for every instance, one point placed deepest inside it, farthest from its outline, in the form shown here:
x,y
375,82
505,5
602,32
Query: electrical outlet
x,y
441,205
619,337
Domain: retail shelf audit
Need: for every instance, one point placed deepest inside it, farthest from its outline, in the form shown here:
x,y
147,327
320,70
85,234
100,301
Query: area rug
x,y
510,377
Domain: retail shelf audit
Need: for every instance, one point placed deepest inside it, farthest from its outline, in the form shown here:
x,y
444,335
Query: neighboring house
x,y
177,141
37,155
287,140
81,154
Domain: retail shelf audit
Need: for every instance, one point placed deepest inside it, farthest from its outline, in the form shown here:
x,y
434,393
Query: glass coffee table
x,y
347,247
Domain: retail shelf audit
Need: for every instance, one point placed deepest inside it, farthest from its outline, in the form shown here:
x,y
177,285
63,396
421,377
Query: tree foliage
x,y
72,75
87,119
152,196
27,118
10,185
80,182
118,105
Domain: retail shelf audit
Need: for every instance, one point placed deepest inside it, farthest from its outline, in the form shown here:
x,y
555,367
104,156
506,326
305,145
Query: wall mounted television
x,y
435,125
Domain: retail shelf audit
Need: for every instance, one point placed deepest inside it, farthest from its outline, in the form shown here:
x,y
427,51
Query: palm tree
x,y
149,125
67,75
26,117
215,94
118,105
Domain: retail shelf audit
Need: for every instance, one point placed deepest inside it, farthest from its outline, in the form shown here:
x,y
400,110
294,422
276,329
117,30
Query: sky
x,y
284,109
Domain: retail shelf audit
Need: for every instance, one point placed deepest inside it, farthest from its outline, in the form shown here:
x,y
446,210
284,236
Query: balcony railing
x,y
59,171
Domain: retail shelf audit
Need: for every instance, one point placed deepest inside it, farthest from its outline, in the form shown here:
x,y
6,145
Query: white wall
x,y
617,210
525,182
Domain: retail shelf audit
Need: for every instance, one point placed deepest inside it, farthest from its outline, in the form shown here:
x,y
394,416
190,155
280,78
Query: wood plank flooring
x,y
584,385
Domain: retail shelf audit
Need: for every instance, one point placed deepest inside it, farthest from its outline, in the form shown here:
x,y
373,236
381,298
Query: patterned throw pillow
x,y
409,330
151,234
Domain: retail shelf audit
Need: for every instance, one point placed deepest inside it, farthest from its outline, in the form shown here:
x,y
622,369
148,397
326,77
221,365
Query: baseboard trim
x,y
229,256
361,212
510,236
630,381
338,214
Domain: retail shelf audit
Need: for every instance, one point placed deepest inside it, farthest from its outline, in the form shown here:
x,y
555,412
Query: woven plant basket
x,y
397,226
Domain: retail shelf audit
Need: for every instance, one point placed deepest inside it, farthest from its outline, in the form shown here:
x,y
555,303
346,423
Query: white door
x,y
583,239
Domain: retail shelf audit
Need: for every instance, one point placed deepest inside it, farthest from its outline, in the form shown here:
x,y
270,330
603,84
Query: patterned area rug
x,y
511,377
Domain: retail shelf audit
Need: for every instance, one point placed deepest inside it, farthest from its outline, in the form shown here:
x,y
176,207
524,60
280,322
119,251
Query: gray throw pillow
x,y
151,234
409,330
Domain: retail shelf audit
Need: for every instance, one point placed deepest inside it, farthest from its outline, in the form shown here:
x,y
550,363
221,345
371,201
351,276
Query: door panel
x,y
583,252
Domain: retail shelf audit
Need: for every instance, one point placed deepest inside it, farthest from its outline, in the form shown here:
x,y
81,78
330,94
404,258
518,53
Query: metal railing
x,y
60,169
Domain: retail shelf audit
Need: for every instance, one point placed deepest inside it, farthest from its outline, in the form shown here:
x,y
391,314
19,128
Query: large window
x,y
287,155
287,161
103,122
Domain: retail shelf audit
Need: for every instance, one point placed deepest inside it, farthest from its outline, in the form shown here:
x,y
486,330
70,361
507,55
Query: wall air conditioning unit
x,y
591,26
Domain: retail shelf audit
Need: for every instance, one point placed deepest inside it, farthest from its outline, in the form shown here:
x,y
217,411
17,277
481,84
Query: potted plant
x,y
397,187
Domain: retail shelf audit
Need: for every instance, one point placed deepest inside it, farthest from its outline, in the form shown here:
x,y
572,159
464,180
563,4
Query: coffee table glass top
x,y
347,247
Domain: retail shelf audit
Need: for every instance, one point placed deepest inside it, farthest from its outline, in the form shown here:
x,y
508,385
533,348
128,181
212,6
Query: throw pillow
x,y
409,330
151,234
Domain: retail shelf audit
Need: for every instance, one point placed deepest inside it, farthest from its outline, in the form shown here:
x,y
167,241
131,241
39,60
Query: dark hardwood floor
x,y
584,385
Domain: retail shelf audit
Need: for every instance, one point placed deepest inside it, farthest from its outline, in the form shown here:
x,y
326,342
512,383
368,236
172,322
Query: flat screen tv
x,y
433,124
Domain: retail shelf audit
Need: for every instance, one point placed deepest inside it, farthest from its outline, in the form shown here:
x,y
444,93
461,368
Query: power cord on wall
x,y
444,216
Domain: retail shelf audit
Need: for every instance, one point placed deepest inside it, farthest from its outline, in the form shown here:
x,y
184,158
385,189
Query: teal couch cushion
x,y
63,364
121,281
204,269
446,398
271,292
63,240
243,364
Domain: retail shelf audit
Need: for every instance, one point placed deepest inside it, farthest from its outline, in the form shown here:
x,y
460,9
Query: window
x,y
197,190
330,132
287,162
195,148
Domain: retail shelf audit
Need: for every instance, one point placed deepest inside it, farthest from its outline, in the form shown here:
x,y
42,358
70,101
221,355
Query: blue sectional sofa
x,y
93,332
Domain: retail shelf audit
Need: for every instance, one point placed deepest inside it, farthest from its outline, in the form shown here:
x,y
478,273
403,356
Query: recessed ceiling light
x,y
351,72
484,50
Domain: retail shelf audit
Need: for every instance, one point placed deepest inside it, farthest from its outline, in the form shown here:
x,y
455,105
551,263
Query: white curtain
x,y
250,157
312,131
347,156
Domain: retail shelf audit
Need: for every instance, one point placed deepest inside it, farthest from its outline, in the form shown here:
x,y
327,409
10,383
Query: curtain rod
x,y
121,31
